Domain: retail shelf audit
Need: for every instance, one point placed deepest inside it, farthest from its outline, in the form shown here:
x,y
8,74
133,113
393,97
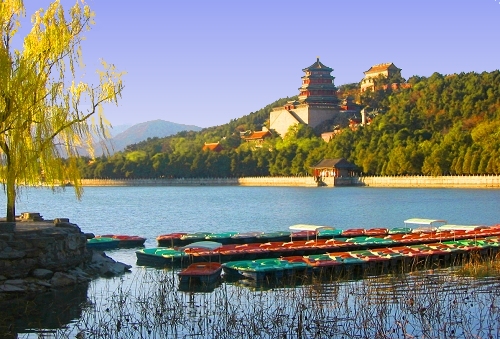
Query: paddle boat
x,y
263,269
276,236
102,243
126,240
329,233
190,238
201,272
170,239
424,225
223,237
318,264
378,231
353,232
161,256
305,231
399,230
245,238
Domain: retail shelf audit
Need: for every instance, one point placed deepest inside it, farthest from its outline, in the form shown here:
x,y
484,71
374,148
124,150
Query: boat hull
x,y
201,273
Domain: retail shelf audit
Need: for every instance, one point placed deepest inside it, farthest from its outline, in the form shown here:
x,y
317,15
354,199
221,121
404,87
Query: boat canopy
x,y
461,227
209,245
303,227
429,222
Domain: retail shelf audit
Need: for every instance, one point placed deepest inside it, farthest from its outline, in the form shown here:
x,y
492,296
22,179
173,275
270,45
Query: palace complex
x,y
386,70
317,101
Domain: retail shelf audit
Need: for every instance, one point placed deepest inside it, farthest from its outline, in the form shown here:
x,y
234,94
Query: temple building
x,y
387,70
317,101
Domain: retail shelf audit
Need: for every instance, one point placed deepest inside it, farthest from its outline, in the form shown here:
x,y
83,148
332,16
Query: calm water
x,y
151,211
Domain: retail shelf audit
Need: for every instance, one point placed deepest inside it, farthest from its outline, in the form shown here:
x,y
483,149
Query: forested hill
x,y
443,124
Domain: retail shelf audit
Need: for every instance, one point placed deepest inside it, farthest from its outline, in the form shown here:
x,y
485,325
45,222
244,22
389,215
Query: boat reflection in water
x,y
48,312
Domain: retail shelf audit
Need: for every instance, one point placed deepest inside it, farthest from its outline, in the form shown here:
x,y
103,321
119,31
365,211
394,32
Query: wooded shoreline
x,y
486,181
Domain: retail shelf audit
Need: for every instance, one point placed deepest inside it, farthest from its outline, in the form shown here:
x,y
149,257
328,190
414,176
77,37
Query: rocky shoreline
x,y
38,256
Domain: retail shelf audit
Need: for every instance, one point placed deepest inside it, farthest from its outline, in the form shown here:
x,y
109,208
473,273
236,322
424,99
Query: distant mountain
x,y
141,132
118,129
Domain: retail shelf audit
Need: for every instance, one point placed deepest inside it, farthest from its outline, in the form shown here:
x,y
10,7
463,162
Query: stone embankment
x,y
452,181
39,255
249,181
491,181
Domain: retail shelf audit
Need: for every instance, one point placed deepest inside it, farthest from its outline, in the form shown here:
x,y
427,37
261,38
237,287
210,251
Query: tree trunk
x,y
11,194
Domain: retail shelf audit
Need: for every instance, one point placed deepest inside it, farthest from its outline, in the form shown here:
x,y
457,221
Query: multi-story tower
x,y
317,101
317,87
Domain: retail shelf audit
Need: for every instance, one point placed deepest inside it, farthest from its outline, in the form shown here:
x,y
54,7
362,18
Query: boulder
x,y
62,279
41,273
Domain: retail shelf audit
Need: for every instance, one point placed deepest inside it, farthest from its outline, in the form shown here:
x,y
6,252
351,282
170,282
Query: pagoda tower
x,y
317,87
317,101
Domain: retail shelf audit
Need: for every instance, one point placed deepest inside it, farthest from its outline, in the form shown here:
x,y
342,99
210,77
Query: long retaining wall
x,y
486,181
249,181
402,181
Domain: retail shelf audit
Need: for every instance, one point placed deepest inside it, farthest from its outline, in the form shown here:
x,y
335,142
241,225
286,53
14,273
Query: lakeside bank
x,y
485,181
39,256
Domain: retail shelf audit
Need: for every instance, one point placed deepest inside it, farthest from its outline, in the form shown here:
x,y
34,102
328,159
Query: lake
x,y
151,211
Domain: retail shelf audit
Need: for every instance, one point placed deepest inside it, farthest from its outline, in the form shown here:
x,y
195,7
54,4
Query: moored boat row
x,y
308,232
197,252
374,261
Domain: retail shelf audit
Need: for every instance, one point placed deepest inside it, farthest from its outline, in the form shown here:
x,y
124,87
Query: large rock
x,y
106,266
62,279
41,273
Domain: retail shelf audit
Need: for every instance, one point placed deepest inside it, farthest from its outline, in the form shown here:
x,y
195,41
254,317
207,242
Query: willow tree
x,y
47,113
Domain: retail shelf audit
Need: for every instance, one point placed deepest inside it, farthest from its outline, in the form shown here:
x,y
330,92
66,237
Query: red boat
x,y
201,273
353,232
126,240
376,231
170,240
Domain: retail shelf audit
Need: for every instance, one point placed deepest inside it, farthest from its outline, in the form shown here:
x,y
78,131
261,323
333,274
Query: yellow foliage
x,y
45,117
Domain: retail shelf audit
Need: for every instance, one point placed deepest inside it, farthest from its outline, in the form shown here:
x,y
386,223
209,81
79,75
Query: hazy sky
x,y
205,62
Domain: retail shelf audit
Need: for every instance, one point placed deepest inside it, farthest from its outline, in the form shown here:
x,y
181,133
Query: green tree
x,y
46,111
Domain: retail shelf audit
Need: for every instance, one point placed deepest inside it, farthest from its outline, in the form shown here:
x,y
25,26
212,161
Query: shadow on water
x,y
50,311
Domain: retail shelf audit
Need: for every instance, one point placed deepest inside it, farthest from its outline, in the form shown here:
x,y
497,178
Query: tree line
x,y
441,125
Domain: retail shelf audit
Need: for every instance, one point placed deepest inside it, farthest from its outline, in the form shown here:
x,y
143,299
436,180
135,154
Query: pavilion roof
x,y
215,146
380,67
258,135
318,65
334,163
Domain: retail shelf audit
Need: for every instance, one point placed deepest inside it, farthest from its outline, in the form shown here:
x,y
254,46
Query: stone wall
x,y
56,246
248,181
486,181
281,119
278,181
162,182
492,181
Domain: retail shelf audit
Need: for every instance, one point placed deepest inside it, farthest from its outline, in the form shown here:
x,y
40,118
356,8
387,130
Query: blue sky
x,y
203,63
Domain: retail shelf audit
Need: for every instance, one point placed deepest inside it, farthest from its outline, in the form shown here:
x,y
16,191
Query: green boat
x,y
276,236
223,237
262,269
160,256
400,230
329,233
102,243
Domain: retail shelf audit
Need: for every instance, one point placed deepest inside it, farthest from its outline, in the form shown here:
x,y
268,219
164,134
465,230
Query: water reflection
x,y
46,313
152,304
